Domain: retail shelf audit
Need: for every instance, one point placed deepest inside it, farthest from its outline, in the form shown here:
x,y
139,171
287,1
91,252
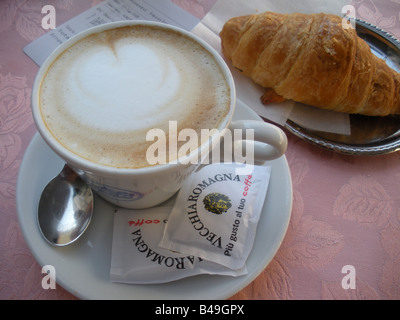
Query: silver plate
x,y
369,135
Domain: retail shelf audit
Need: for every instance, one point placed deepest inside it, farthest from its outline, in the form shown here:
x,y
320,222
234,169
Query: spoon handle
x,y
68,174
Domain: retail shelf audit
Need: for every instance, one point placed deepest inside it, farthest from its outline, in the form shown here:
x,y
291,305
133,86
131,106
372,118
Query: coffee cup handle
x,y
270,142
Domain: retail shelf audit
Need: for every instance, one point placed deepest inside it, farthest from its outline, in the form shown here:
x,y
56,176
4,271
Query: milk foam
x,y
145,82
102,95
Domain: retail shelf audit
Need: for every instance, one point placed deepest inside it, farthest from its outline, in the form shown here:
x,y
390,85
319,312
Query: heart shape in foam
x,y
121,85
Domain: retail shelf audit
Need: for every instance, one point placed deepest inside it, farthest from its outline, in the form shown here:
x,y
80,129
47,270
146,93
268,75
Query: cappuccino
x,y
102,95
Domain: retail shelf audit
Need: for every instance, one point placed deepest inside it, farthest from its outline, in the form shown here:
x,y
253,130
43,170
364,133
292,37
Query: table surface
x,y
345,208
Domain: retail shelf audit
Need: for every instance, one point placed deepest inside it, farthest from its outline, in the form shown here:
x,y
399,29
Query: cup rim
x,y
86,165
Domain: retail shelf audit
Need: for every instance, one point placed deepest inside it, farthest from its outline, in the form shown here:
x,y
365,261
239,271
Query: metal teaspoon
x,y
65,208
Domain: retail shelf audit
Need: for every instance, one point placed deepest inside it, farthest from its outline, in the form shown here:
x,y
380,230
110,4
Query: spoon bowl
x,y
65,208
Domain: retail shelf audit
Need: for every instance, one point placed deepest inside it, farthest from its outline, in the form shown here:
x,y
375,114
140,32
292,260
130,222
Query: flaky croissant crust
x,y
311,58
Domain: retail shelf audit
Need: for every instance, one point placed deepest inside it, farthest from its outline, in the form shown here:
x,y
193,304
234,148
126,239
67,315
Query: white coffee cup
x,y
147,186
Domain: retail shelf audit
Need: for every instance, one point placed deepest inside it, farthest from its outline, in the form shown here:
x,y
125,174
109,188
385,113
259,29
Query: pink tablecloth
x,y
345,208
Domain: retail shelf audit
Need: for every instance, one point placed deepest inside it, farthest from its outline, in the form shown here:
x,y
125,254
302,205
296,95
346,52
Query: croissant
x,y
311,58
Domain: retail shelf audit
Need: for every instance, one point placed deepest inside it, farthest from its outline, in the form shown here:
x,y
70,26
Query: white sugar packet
x,y
216,213
137,258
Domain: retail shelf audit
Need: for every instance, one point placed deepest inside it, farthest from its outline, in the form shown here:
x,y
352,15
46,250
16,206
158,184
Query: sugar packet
x,y
137,258
216,213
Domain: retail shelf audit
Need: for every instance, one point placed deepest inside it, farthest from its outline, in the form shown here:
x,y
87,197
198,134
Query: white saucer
x,y
83,268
